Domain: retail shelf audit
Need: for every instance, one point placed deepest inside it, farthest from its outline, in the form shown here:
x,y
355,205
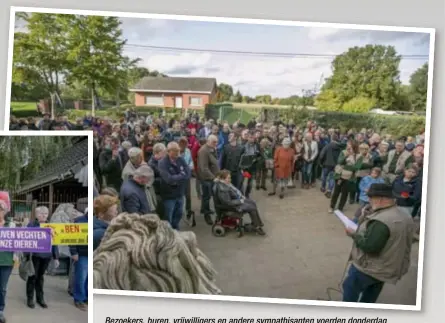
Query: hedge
x,y
395,125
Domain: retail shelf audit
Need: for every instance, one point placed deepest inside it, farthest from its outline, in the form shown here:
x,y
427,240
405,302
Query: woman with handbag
x,y
344,175
6,260
41,261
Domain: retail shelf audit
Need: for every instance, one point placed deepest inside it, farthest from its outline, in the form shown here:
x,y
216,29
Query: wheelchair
x,y
228,221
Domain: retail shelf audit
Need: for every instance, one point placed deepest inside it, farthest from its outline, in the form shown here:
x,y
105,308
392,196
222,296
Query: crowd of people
x,y
174,151
146,168
41,263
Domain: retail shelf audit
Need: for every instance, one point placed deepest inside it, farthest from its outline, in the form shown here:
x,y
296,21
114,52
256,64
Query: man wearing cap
x,y
381,249
133,193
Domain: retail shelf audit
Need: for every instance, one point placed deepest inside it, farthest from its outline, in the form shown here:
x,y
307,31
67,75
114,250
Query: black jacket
x,y
329,154
134,198
231,157
111,169
225,198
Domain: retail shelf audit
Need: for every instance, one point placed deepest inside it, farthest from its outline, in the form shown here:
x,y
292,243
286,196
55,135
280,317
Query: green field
x,y
22,106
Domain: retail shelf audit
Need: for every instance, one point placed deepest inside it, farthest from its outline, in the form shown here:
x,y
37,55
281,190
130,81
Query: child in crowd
x,y
364,186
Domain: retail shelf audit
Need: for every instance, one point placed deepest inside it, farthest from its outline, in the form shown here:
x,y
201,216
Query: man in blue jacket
x,y
133,193
174,174
79,255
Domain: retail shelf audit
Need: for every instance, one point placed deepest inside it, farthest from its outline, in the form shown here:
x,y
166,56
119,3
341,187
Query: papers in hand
x,y
346,221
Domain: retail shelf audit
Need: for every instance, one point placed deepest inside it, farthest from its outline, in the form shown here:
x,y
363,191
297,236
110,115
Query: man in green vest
x,y
381,249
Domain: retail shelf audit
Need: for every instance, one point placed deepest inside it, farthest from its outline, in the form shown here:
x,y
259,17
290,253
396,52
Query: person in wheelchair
x,y
228,198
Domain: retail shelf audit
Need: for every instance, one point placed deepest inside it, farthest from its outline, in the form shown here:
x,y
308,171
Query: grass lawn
x,y
22,106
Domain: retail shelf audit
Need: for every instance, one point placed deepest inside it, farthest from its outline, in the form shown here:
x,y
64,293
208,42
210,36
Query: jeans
x,y
5,273
327,178
80,292
173,211
307,172
198,188
71,278
359,287
35,283
188,197
206,187
237,179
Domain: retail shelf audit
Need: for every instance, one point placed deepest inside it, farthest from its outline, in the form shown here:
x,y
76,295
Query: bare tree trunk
x,y
93,103
53,110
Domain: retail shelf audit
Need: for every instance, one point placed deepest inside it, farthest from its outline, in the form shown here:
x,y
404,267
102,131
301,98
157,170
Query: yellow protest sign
x,y
68,233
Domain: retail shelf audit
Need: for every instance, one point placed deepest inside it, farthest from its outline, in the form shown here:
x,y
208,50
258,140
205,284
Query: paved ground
x,y
304,252
60,304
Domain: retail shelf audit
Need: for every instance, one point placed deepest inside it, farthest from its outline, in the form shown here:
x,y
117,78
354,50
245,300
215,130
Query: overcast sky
x,y
256,75
253,75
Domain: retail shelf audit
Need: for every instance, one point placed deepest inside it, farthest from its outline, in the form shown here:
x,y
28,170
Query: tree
x,y
367,72
403,99
418,88
40,53
359,105
238,97
24,163
95,53
224,92
327,100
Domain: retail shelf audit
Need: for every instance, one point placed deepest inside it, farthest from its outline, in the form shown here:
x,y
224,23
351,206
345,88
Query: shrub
x,y
394,125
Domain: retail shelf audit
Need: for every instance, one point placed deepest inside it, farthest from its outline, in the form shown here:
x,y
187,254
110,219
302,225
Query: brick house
x,y
175,92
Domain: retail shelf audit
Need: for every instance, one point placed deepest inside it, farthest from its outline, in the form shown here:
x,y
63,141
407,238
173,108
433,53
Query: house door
x,y
178,102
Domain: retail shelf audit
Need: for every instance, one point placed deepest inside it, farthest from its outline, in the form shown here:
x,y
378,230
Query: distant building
x,y
175,92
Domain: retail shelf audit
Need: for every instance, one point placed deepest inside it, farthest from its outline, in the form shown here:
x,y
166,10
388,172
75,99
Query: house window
x,y
154,100
195,101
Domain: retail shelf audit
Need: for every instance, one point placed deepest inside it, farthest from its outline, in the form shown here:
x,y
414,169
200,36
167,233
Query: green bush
x,y
359,105
395,125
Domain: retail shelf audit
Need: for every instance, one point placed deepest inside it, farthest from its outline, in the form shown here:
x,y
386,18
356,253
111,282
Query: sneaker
x,y
2,318
331,210
328,194
42,304
322,189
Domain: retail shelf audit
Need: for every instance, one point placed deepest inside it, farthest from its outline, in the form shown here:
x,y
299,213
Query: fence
x,y
23,205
